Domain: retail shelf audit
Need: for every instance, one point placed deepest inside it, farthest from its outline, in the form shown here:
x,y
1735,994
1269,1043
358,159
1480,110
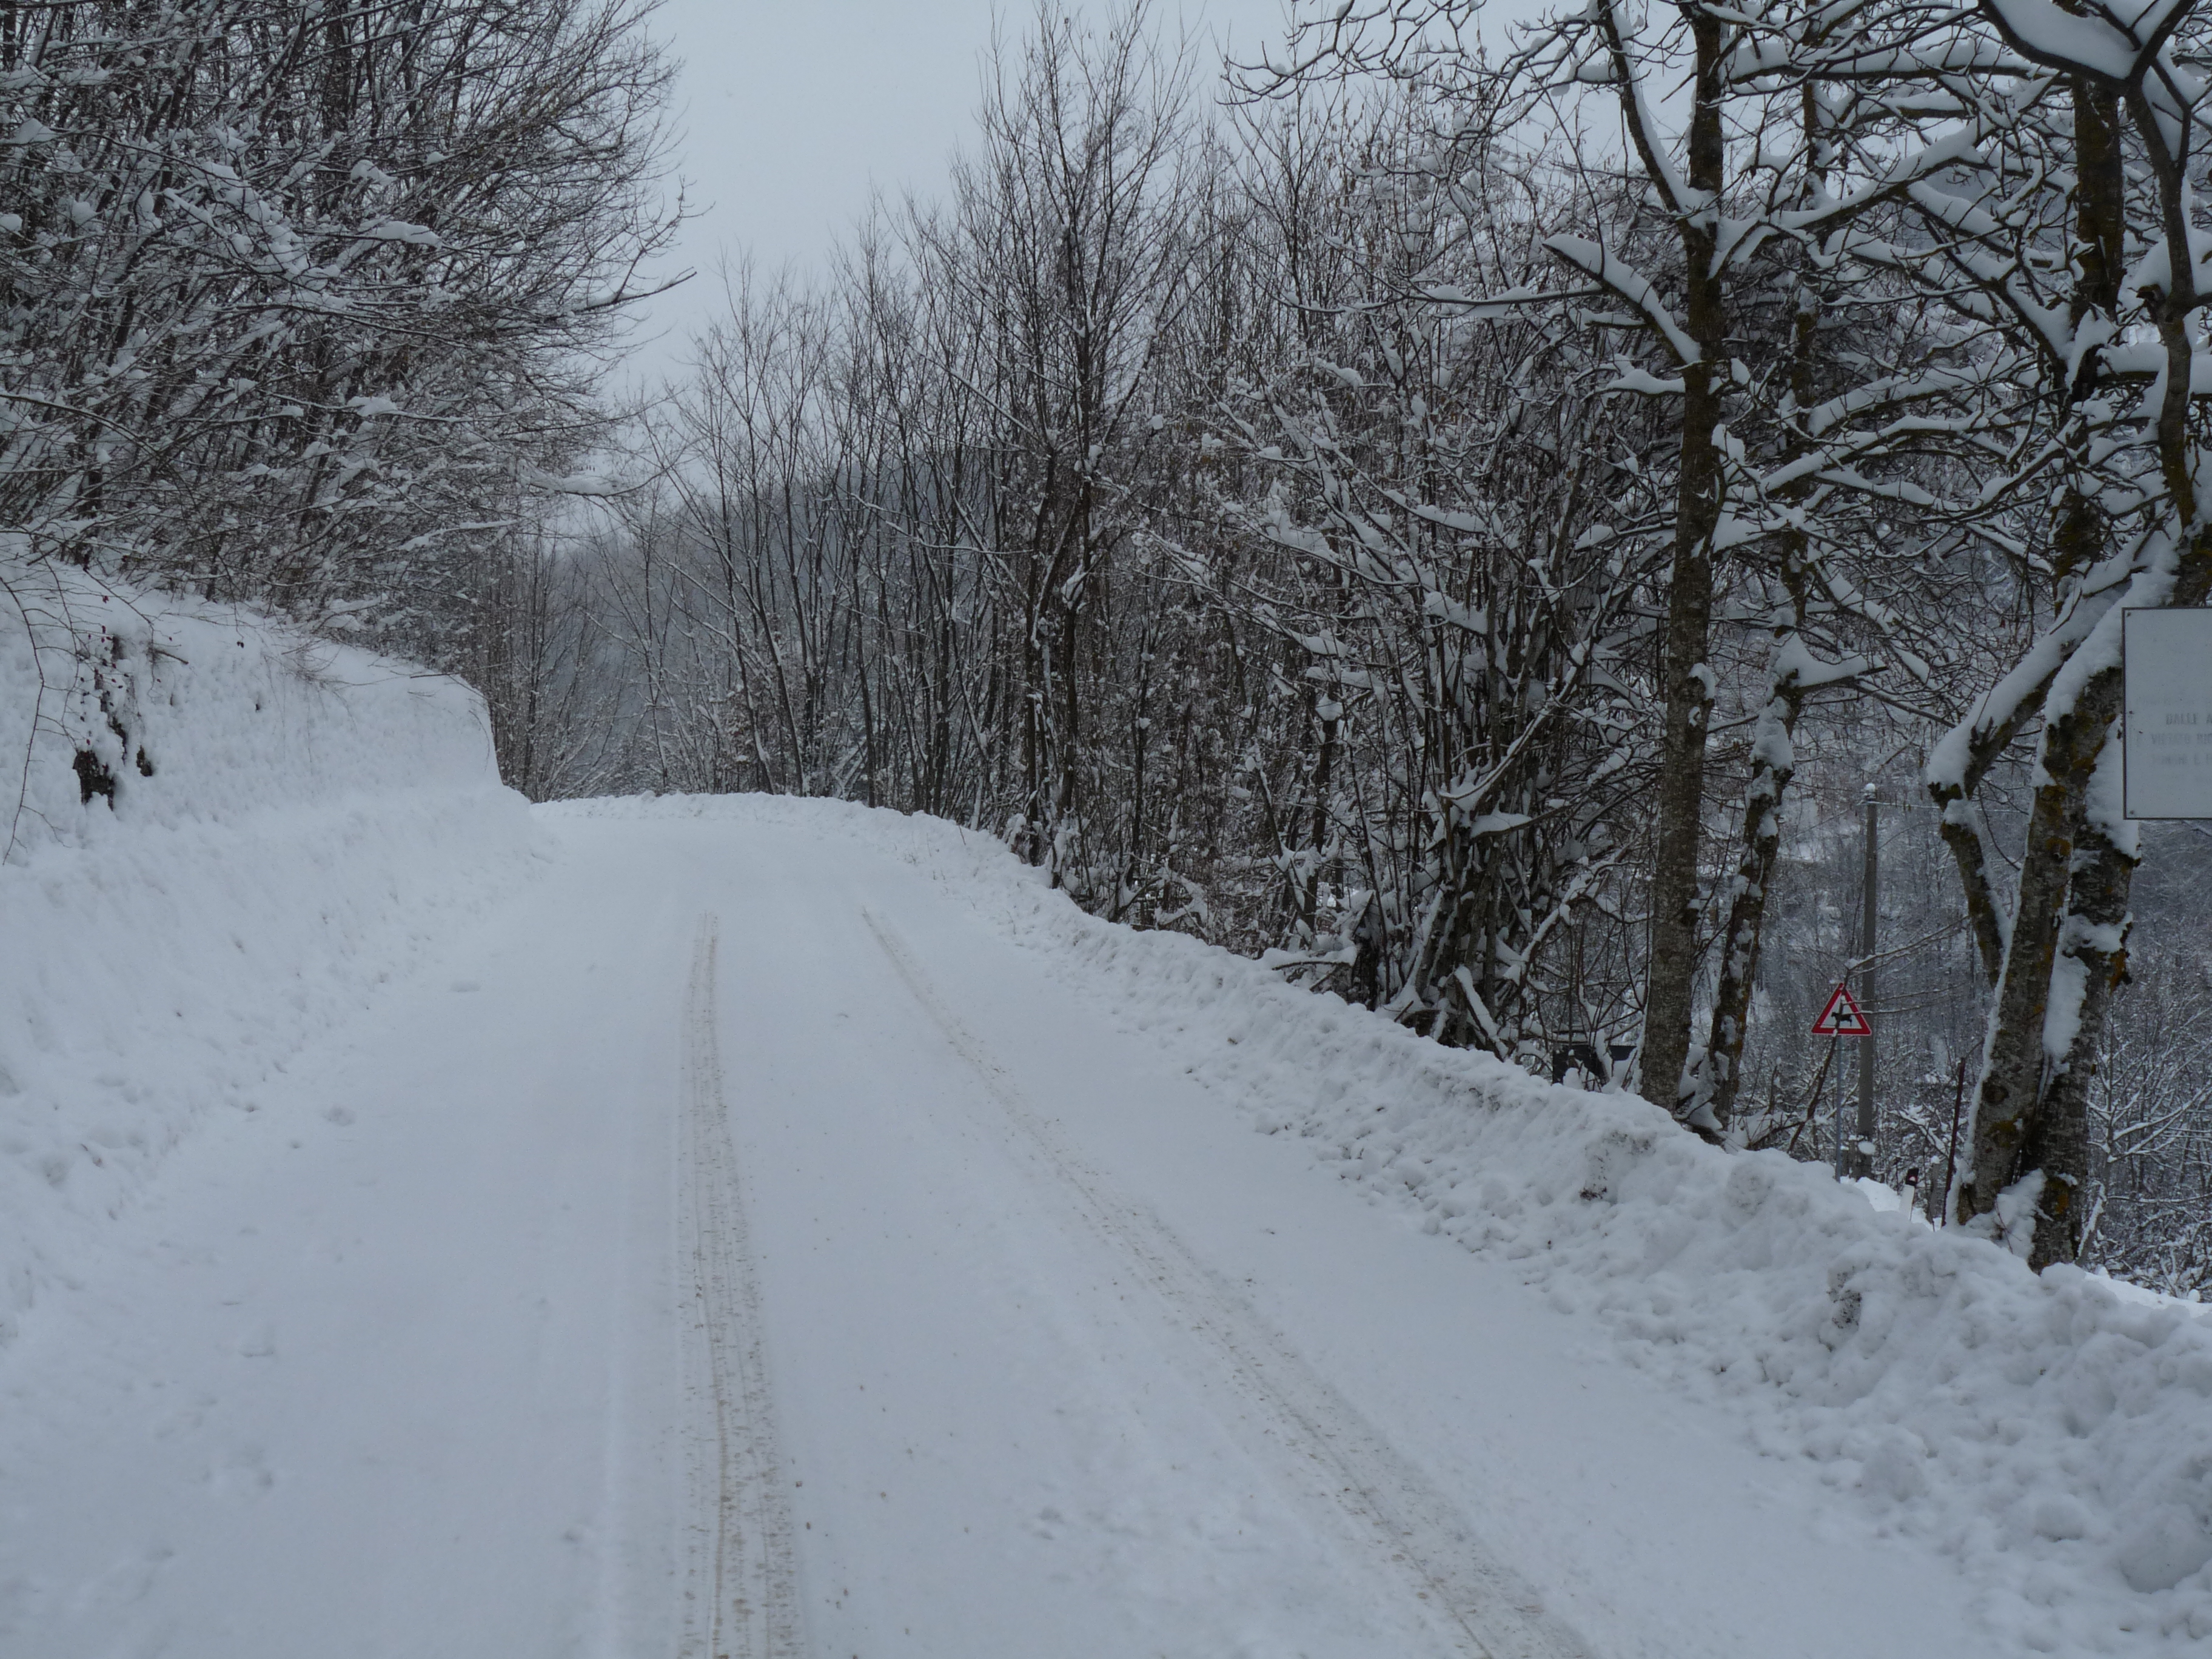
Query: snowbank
x,y
220,835
2053,1435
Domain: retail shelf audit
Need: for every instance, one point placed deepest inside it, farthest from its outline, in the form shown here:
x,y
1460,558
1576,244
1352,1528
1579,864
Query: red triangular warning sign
x,y
1842,1017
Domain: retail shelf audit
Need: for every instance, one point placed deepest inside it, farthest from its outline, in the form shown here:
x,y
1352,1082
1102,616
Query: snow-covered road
x,y
738,1247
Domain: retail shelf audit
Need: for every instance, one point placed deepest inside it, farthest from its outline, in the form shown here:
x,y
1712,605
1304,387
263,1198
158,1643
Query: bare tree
x,y
289,286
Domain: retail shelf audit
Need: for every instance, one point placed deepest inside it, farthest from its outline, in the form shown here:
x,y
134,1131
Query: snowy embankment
x,y
221,836
2053,1435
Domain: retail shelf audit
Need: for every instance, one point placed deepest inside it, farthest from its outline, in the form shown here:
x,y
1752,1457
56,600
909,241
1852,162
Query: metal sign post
x,y
1843,1017
1862,1164
2166,663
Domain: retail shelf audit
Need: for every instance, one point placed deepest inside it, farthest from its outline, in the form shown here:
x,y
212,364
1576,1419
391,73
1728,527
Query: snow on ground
x,y
283,825
2052,1435
354,1375
777,1228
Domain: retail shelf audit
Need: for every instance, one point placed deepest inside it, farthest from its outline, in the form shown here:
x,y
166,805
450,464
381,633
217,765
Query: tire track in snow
x,y
742,1592
1308,1430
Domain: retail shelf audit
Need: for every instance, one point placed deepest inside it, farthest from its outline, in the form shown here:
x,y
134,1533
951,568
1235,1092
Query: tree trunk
x,y
2030,1112
2093,960
1687,677
2014,1067
1773,763
1773,760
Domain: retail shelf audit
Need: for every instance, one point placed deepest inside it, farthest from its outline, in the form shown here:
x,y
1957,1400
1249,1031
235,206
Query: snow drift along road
x,y
285,824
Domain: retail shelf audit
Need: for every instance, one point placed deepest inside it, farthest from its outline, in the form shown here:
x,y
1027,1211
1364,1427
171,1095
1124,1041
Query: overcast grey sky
x,y
793,112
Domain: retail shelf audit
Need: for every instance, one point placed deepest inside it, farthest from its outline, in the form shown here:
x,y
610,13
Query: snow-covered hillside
x,y
221,835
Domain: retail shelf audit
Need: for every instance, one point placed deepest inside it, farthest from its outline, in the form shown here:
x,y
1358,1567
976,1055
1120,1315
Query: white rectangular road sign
x,y
2168,656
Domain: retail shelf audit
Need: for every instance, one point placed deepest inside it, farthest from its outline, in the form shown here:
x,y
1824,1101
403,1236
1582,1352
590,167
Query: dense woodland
x,y
1470,523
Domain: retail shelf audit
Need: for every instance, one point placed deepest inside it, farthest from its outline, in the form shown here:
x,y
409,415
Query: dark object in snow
x,y
93,778
1578,1056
